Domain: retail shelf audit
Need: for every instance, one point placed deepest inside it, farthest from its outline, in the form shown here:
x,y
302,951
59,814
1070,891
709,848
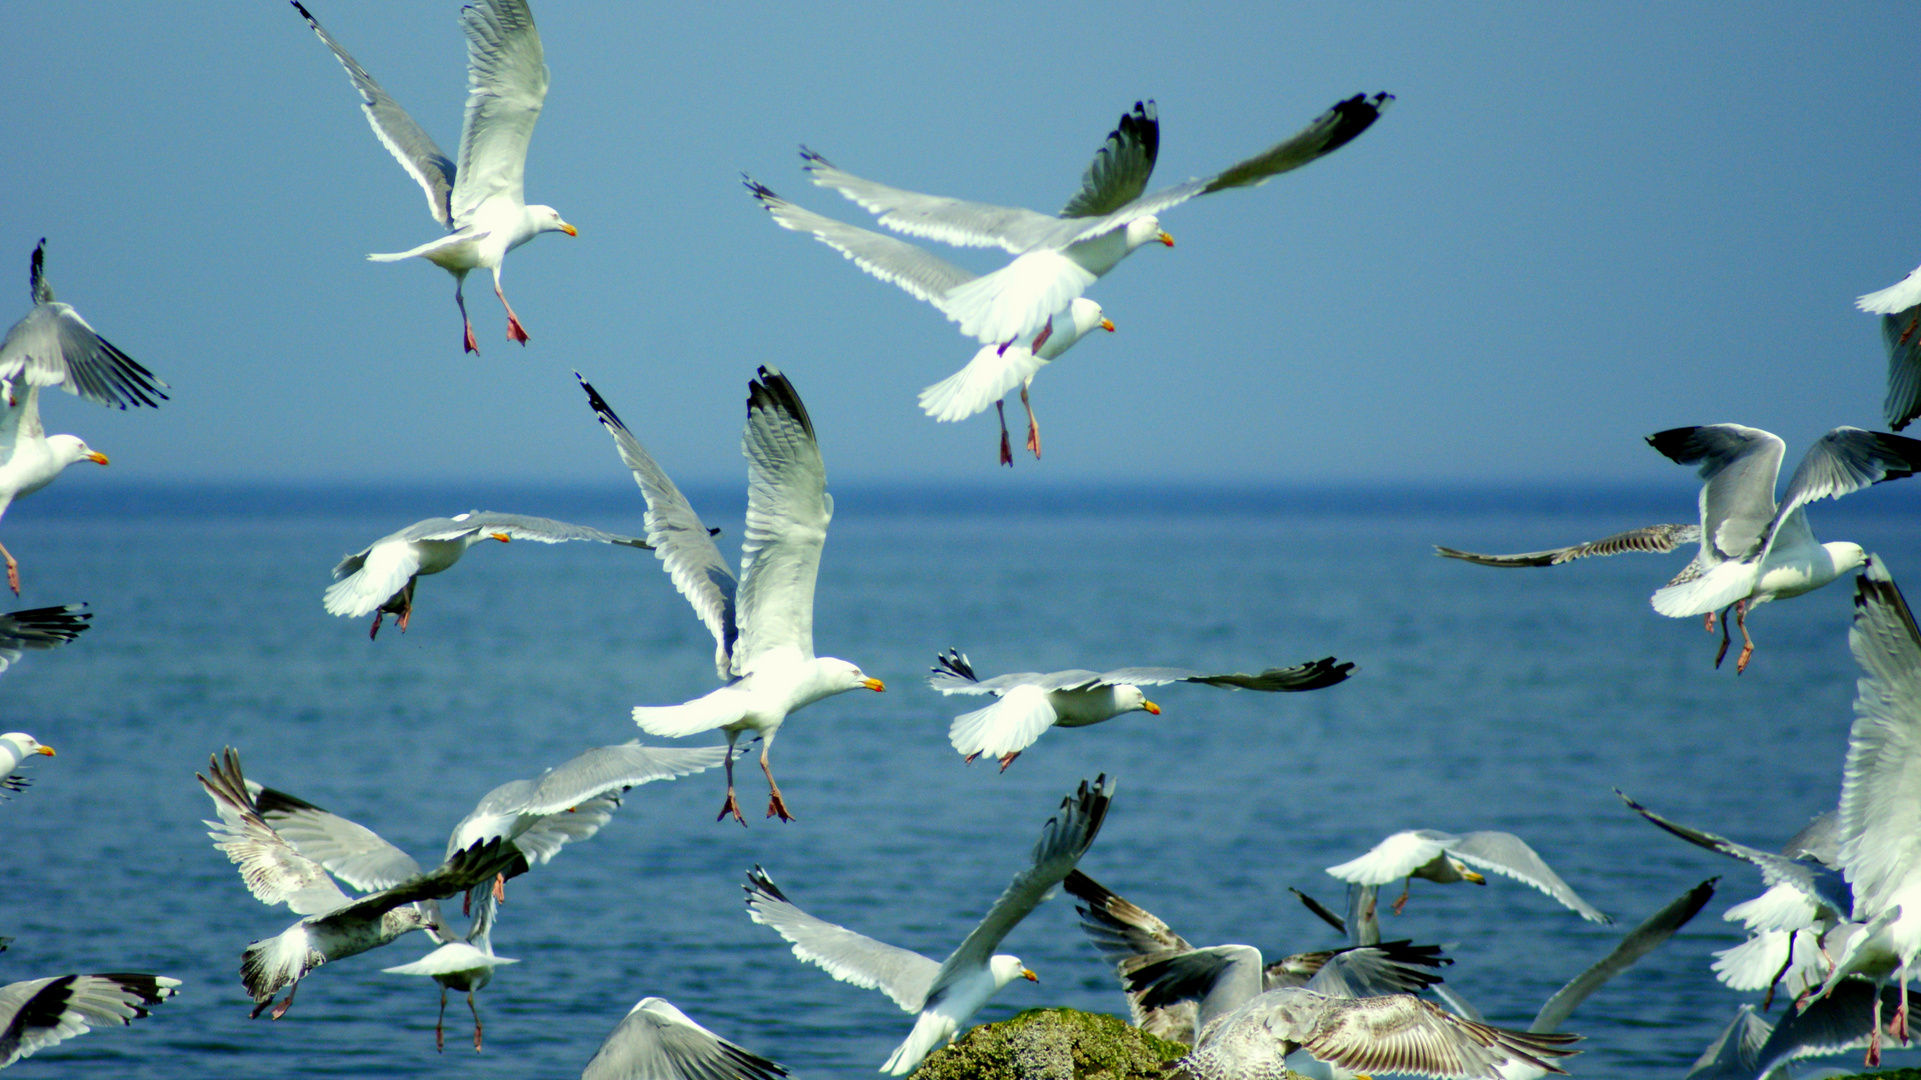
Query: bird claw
x,y
1034,442
470,344
13,576
1741,662
731,807
777,806
1008,759
500,888
515,331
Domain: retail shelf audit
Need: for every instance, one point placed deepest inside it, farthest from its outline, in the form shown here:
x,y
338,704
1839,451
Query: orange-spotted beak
x,y
47,750
874,684
1107,325
569,229
1151,707
502,537
1165,239
97,457
1474,877
1029,976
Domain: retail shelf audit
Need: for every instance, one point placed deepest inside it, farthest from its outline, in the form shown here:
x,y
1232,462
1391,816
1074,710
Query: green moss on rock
x,y
1053,1044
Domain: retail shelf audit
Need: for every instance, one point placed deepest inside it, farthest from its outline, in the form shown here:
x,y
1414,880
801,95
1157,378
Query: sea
x,y
1515,700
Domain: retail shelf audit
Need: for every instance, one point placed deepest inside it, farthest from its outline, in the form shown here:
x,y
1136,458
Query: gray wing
x,y
403,138
954,674
1330,131
1402,1033
1640,941
1735,1054
1119,929
1121,167
41,1012
1842,1020
788,509
923,275
1391,967
1846,460
466,870
351,852
1738,467
1321,911
506,85
271,868
1899,332
1819,884
1064,839
1505,853
541,530
659,1042
615,768
684,546
1880,789
40,628
1657,539
54,346
905,976
951,221
1312,675
1819,840
1219,979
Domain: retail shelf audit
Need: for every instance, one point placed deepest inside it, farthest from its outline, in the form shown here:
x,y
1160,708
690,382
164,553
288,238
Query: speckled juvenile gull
x,y
53,346
946,994
1657,539
380,577
1030,702
38,1013
656,1041
1442,857
481,201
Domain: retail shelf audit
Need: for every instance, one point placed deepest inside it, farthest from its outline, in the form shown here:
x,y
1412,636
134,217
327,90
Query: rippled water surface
x,y
1485,700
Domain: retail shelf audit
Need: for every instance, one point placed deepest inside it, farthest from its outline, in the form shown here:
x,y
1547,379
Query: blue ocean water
x,y
1484,699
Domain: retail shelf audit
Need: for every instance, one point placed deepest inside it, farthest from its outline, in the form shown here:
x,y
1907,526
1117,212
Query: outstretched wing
x,y
1880,793
1402,1033
54,346
924,276
684,546
403,138
506,84
351,852
1008,726
788,509
1121,167
41,1012
1846,460
1901,332
951,221
659,1042
1640,941
1820,885
1657,539
1738,467
273,870
1506,853
1312,675
1394,858
905,976
40,628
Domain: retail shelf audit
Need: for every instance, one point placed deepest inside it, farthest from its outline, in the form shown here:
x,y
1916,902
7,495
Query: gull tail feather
x,y
431,247
1712,591
718,709
929,1030
987,378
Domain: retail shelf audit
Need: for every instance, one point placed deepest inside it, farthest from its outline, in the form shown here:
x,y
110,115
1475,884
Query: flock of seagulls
x,y
1837,930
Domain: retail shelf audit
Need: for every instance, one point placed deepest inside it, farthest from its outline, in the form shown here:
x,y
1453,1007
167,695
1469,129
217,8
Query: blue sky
x,y
1572,229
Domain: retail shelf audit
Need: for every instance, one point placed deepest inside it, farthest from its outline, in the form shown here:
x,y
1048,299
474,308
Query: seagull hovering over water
x,y
480,200
763,625
53,346
1442,858
944,994
1057,258
16,747
466,965
30,459
380,578
1030,702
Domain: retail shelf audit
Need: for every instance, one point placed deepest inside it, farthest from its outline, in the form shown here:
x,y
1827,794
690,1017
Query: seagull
x,y
763,626
1657,539
480,201
381,577
1846,1019
1899,306
16,747
1753,550
286,848
995,370
1057,258
464,965
30,459
40,628
944,994
54,346
1030,702
1442,857
1164,977
41,1012
659,1042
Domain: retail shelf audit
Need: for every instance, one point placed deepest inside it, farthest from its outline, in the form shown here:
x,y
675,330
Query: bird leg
x,y
1401,900
1721,653
1781,974
730,806
476,1012
279,1010
1874,1041
1041,338
469,344
1747,643
440,1045
500,888
972,756
13,568
1033,425
374,634
1710,622
775,804
515,331
1008,759
1007,452
1899,1029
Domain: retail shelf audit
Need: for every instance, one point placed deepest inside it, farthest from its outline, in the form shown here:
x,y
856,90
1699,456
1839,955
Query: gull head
x,y
68,449
842,676
25,744
1142,230
1005,969
1087,317
1846,556
547,219
1461,869
1131,699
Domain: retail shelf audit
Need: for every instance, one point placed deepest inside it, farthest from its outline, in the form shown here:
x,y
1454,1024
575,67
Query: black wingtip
x,y
772,391
955,663
812,159
602,411
1142,126
1353,116
1320,911
761,191
759,882
1676,444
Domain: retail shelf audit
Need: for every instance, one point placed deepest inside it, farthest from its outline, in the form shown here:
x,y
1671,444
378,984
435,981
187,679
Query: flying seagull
x,y
479,201
656,1041
380,577
1057,258
763,625
994,370
35,629
1443,857
466,965
946,994
1899,306
30,459
54,346
16,747
1029,702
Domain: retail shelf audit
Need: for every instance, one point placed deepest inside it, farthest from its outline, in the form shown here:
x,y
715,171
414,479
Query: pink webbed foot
x,y
374,633
777,806
515,331
470,345
1040,338
500,888
1008,759
731,806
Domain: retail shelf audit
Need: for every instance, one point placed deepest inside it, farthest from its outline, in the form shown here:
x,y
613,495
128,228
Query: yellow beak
x,y
1151,707
97,457
502,537
569,229
1477,879
1107,325
1165,239
1029,976
47,750
874,684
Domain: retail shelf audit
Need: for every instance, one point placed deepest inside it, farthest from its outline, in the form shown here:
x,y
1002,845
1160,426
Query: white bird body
x,y
1443,857
15,747
30,459
941,1020
466,966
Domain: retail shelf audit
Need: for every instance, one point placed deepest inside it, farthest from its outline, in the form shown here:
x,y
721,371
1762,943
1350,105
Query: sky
x,y
1573,228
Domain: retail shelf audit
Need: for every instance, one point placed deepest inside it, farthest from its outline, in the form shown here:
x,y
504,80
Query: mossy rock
x,y
1053,1044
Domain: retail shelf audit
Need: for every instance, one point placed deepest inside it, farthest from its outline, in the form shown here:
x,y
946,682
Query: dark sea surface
x,y
1485,699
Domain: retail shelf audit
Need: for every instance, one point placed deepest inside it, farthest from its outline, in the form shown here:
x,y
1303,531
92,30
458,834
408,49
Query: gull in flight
x,y
763,625
1030,702
1443,857
995,369
30,459
656,1041
381,577
1057,258
41,1012
1899,306
40,628
465,965
1165,978
944,994
16,747
480,201
54,346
